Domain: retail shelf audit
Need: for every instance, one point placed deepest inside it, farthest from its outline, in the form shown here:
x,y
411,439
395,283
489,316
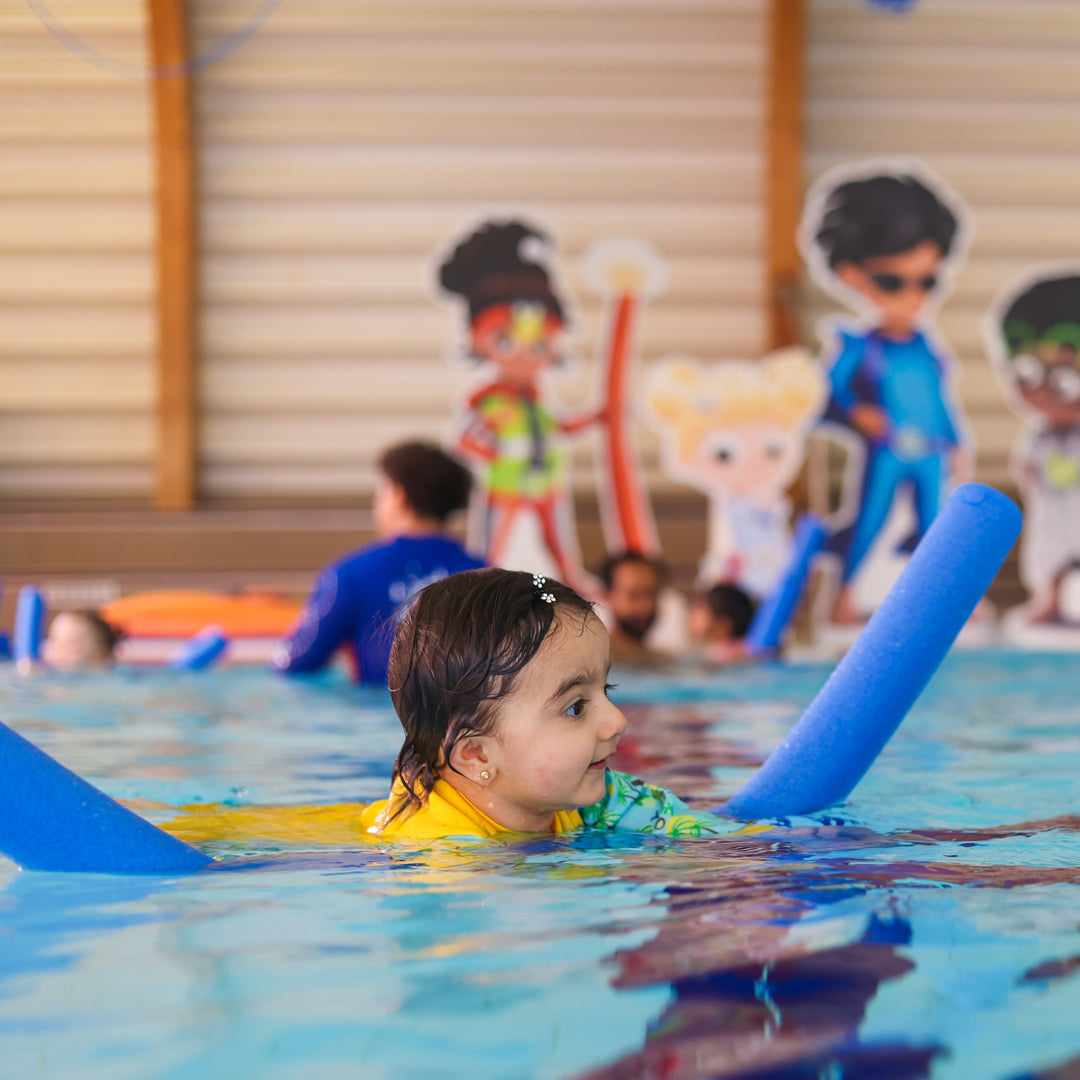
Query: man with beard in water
x,y
632,584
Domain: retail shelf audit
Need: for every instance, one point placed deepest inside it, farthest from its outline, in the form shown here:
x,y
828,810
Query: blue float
x,y
199,651
29,621
853,716
51,819
772,617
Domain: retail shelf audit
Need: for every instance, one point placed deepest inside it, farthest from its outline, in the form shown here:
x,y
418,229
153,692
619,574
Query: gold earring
x,y
485,775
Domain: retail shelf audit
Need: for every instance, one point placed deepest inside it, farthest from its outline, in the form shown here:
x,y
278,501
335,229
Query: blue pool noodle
x,y
199,651
772,618
51,819
29,619
853,716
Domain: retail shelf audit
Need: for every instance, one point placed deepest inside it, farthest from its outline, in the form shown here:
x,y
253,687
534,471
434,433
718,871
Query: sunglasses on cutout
x,y
893,283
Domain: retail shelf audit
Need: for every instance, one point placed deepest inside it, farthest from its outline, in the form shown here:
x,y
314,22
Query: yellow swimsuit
x,y
629,805
445,813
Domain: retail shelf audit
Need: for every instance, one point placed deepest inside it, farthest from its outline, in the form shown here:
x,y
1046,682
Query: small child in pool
x,y
79,641
499,679
720,619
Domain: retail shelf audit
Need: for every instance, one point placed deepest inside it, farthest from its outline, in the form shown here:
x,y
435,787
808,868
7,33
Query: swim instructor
x,y
354,598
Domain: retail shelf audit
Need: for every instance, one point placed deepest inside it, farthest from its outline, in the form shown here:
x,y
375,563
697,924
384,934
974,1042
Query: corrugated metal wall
x,y
346,141
76,270
987,93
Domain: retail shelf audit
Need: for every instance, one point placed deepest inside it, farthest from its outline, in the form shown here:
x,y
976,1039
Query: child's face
x,y
701,622
1048,379
72,644
898,286
705,628
755,460
555,730
520,339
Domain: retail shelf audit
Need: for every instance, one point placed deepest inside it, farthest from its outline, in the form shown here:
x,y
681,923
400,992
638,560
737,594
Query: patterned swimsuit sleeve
x,y
631,805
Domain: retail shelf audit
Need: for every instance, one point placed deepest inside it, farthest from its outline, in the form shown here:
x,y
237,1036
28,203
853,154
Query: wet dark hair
x,y
726,601
1049,310
457,651
606,570
488,268
882,215
435,484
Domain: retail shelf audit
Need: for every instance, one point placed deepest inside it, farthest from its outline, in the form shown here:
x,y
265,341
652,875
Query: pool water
x,y
930,926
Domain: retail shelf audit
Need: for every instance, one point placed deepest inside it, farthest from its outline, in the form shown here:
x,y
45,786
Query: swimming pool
x,y
904,934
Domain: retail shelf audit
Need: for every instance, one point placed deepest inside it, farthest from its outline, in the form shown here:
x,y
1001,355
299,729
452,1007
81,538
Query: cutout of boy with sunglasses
x,y
882,242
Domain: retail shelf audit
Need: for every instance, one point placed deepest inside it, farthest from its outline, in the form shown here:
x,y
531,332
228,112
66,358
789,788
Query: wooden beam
x,y
174,483
784,166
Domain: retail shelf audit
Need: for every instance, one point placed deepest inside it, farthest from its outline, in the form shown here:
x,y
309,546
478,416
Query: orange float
x,y
180,613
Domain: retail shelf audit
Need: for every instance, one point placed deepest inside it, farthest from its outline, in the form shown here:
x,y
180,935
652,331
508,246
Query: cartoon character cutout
x,y
736,431
884,237
1033,334
517,323
625,272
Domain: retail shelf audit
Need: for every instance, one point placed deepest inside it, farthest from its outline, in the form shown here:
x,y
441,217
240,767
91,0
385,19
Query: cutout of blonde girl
x,y
736,431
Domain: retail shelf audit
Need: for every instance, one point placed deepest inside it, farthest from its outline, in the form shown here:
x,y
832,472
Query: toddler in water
x,y
79,641
499,679
720,619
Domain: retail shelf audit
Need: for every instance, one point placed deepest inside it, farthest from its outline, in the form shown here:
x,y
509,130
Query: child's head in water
x,y
722,613
499,679
78,641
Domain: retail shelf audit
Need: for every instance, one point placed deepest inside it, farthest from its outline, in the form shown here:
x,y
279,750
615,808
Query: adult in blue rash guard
x,y
887,238
354,598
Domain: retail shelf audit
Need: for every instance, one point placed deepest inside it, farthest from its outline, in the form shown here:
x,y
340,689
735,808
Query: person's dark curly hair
x,y
435,484
882,215
489,268
458,648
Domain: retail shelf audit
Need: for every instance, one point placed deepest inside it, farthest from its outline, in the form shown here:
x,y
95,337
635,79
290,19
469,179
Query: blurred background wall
x,y
77,234
338,146
347,141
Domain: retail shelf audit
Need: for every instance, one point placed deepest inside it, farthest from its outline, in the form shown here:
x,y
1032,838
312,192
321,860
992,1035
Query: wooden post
x,y
174,483
784,166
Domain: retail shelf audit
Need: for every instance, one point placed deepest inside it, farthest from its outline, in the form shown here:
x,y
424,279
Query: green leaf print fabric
x,y
632,805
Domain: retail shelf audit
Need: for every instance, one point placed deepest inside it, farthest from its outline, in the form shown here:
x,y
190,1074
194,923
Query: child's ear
x,y
469,756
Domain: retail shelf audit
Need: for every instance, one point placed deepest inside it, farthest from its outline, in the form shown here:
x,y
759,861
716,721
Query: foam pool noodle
x,y
856,712
199,651
51,819
29,620
772,617
5,644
